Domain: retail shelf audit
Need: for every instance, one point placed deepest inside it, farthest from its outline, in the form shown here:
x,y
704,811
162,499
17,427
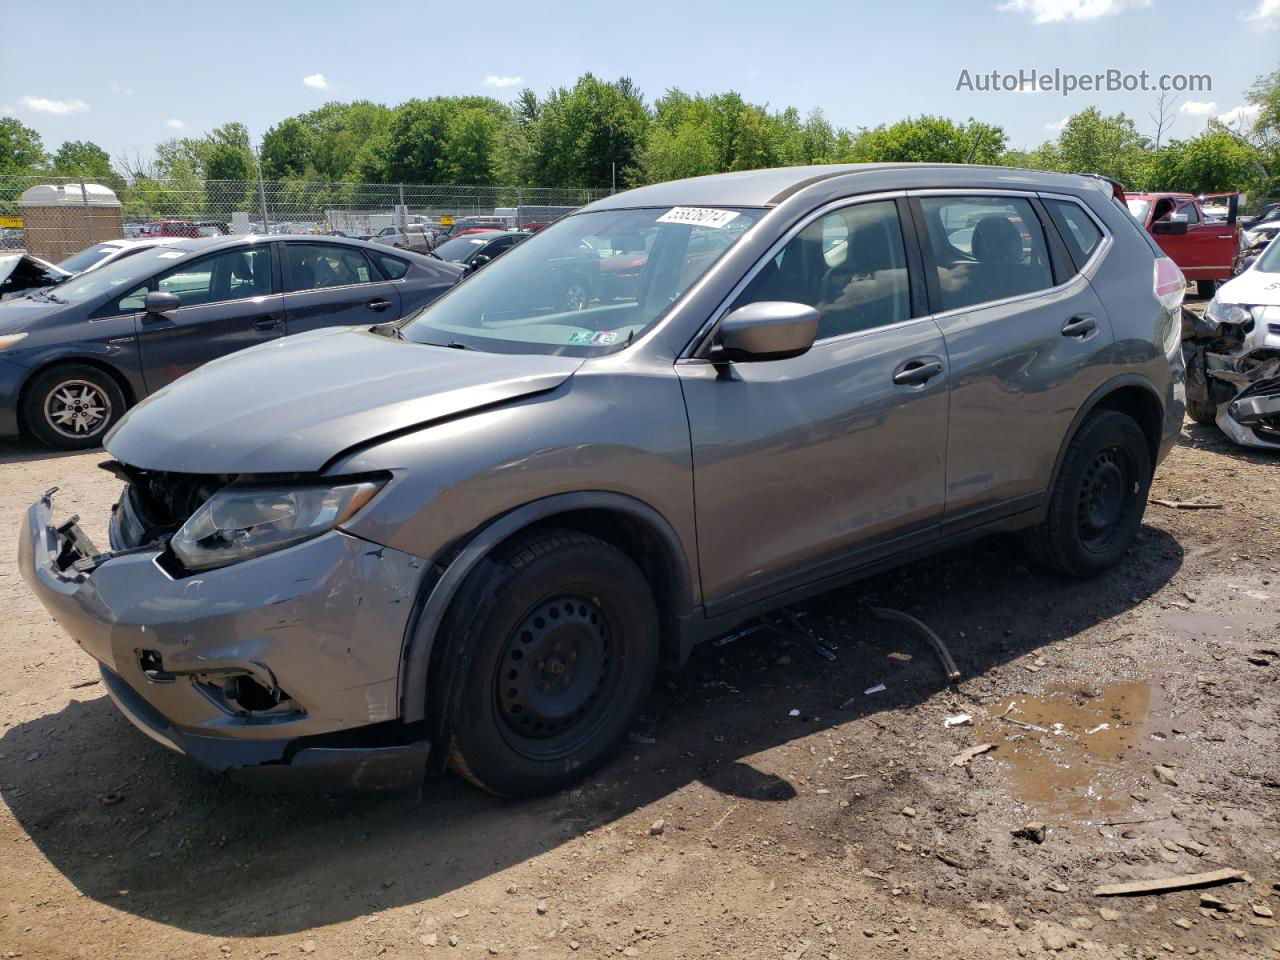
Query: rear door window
x,y
315,266
985,249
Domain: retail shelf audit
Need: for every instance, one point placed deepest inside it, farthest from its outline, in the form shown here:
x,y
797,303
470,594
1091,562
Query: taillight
x,y
1169,283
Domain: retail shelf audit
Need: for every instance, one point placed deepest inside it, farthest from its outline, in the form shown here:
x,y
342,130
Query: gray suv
x,y
469,538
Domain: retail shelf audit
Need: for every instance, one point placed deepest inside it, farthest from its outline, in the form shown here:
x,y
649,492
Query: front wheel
x,y
71,407
564,637
1202,412
1206,288
1097,503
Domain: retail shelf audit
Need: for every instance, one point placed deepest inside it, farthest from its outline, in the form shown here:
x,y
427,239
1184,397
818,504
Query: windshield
x,y
457,250
1138,208
85,259
1269,262
115,275
587,285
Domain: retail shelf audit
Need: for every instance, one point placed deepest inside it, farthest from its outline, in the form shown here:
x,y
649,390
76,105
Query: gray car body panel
x,y
757,477
300,401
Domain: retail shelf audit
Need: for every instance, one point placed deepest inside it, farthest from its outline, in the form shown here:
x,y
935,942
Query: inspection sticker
x,y
171,255
698,216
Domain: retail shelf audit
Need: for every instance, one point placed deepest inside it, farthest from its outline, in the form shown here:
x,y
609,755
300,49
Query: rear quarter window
x,y
393,267
1078,231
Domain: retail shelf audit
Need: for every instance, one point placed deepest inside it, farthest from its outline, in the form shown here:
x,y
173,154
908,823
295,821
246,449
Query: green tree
x,y
471,139
1215,161
21,148
1093,143
581,135
929,139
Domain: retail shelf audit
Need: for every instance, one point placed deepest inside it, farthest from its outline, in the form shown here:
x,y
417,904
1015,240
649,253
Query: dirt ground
x,y
766,806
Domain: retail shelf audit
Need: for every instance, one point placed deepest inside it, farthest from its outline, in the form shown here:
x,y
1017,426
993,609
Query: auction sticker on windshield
x,y
698,216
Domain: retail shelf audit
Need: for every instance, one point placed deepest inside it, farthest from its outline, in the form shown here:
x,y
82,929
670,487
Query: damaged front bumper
x,y
1235,369
282,670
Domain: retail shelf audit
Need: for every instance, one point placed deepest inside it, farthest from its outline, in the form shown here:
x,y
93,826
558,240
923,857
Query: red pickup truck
x,y
1207,248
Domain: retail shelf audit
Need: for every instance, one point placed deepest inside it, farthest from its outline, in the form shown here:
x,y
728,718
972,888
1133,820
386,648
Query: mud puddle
x,y
1080,754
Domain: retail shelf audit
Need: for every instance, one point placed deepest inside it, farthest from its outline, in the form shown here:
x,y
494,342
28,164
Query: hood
x,y
19,313
1252,288
294,404
21,273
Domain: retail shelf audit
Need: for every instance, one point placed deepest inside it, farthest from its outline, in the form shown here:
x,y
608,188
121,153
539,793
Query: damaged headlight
x,y
241,522
1233,313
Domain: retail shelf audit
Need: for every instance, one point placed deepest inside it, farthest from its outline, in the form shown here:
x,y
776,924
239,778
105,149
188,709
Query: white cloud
x,y
59,107
494,80
1198,108
174,124
316,80
1063,11
1266,14
1240,116
1058,125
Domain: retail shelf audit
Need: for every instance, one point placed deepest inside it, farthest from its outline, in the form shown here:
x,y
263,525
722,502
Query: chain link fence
x,y
56,217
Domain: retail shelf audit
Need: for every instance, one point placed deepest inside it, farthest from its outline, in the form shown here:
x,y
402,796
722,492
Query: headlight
x,y
1228,313
1250,237
241,522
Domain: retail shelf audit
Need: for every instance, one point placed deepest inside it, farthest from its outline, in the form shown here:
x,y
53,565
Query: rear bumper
x,y
322,623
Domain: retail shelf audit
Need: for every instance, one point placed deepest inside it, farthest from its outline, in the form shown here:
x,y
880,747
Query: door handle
x,y
377,303
916,372
1079,327
266,323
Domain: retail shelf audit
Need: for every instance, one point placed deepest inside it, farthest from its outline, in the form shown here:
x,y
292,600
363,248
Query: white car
x,y
100,254
1233,356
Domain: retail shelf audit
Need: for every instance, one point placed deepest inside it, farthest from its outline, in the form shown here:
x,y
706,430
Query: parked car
x,y
171,228
412,236
469,539
474,251
1268,212
1233,356
21,273
1206,251
1255,241
100,254
469,225
75,357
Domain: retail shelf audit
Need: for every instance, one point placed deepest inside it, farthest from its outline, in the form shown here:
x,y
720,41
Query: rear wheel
x,y
71,407
1097,503
564,637
1206,288
1202,412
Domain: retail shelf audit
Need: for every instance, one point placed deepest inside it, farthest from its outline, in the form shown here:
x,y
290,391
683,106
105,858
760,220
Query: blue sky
x,y
129,74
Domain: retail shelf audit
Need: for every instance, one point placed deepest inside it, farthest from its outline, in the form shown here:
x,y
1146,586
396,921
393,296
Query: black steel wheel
x,y
1096,504
564,637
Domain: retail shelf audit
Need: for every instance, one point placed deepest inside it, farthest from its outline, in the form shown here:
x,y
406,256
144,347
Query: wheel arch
x,y
1132,394
629,524
66,360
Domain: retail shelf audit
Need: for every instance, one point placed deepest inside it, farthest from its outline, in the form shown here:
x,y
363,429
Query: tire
x,y
1202,412
72,406
554,606
1206,288
1097,503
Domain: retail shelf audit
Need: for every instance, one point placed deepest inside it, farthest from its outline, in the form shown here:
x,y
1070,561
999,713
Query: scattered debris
x,y
1035,832
1098,729
908,811
1109,915
906,620
85,683
429,939
1189,881
951,860
878,688
1165,775
541,907
641,739
793,712
657,828
1185,504
1261,910
111,799
963,758
959,720
900,657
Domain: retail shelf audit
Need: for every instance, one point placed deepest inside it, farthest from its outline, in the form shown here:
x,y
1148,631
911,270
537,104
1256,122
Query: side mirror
x,y
1170,227
769,330
160,302
480,260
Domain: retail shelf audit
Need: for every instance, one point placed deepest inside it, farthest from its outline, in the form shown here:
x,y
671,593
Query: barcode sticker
x,y
698,216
